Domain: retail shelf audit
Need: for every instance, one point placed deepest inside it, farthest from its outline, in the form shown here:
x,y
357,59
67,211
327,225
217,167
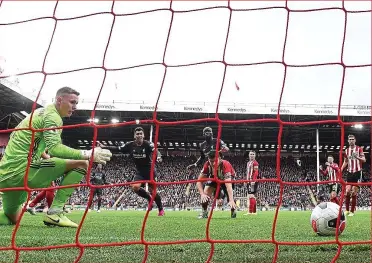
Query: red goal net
x,y
237,15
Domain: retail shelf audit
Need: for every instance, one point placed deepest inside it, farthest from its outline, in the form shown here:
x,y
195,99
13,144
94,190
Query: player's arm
x,y
324,172
55,147
201,157
199,185
151,149
224,147
227,180
360,156
199,161
334,166
255,171
53,139
123,148
203,174
344,165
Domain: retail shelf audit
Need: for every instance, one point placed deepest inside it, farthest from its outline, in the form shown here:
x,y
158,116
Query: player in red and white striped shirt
x,y
252,174
331,171
353,160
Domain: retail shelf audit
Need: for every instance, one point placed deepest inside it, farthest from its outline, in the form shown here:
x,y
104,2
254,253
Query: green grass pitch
x,y
119,226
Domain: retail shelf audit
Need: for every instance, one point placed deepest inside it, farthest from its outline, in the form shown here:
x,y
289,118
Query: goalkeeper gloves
x,y
100,155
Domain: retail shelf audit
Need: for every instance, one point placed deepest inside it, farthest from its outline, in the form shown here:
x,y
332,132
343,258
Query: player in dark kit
x,y
98,177
141,152
303,199
208,145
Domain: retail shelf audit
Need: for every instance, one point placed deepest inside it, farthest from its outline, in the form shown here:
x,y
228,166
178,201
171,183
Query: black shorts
x,y
222,194
354,177
98,192
223,190
143,175
252,188
334,188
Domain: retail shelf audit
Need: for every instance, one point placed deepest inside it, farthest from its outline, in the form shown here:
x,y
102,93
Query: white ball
x,y
324,219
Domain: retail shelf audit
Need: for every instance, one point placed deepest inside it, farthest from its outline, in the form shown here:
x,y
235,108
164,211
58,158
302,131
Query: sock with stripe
x,y
72,177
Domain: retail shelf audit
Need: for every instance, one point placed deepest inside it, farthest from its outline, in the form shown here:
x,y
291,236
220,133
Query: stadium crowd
x,y
173,169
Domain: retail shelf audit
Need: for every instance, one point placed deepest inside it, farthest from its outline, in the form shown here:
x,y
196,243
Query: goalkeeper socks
x,y
72,177
347,202
4,220
143,193
49,195
39,197
353,203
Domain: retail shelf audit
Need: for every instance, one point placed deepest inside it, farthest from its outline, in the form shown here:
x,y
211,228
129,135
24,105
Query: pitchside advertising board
x,y
319,110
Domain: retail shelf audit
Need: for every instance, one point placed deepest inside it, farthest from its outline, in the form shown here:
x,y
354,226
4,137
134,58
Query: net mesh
x,y
154,120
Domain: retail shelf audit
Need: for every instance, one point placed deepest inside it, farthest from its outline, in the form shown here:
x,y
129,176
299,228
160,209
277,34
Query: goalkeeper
x,y
67,162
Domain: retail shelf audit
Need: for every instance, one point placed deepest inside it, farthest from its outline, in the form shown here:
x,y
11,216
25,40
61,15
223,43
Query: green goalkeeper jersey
x,y
14,161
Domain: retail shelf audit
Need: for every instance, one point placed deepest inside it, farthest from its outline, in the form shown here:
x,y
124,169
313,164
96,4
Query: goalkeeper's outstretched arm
x,y
55,147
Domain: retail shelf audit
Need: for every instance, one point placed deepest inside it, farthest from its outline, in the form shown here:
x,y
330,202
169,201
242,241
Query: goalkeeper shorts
x,y
40,175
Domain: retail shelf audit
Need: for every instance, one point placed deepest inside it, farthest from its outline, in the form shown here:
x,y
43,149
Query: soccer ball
x,y
324,219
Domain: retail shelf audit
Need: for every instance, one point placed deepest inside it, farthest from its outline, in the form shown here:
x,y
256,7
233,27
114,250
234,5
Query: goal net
x,y
218,57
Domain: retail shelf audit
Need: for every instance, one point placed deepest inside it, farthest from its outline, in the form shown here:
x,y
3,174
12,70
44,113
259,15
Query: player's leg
x,y
99,199
51,169
49,196
354,191
12,204
39,197
252,204
254,200
138,187
157,200
349,178
333,193
354,195
208,190
92,203
248,199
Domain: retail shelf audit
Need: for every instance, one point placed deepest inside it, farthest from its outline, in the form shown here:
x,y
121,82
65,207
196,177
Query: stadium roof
x,y
264,133
256,133
11,107
194,51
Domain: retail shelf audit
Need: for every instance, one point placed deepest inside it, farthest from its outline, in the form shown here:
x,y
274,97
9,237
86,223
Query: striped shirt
x,y
353,164
251,165
331,171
